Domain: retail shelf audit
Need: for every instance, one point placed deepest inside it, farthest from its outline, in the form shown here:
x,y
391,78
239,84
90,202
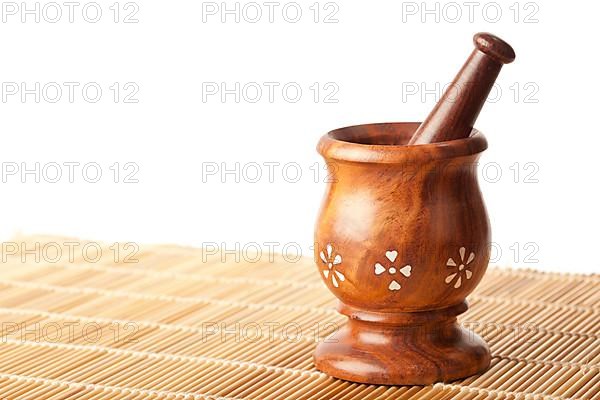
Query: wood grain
x,y
403,237
455,114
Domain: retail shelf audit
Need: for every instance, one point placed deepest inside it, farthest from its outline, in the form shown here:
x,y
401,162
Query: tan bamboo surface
x,y
181,324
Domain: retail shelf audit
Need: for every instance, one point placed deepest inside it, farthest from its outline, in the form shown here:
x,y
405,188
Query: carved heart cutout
x,y
391,255
394,286
406,271
379,269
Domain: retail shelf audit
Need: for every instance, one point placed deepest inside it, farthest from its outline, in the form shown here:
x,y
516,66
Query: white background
x,y
543,117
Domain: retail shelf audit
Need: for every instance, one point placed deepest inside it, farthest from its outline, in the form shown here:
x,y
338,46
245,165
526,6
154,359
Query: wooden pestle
x,y
455,114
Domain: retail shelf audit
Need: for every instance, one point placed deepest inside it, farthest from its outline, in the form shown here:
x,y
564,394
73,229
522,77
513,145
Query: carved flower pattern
x,y
392,270
461,268
332,261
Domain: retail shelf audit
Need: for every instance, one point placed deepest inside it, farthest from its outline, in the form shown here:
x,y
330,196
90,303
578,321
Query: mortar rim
x,y
332,147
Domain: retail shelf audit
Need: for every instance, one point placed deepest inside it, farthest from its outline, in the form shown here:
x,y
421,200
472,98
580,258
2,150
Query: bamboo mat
x,y
180,324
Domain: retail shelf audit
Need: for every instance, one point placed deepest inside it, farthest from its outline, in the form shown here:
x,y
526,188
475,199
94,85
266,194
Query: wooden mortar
x,y
402,238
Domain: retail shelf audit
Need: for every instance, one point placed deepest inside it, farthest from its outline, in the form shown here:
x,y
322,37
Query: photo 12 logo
x,y
270,12
69,332
268,172
517,92
69,92
268,331
68,172
69,252
470,11
270,92
69,12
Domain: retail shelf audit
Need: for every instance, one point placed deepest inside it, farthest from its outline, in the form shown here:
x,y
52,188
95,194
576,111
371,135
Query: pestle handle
x,y
455,114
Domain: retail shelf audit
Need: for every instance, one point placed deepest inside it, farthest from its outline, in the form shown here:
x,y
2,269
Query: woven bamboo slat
x,y
173,322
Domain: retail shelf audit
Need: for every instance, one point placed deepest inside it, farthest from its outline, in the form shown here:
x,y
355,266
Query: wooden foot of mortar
x,y
418,348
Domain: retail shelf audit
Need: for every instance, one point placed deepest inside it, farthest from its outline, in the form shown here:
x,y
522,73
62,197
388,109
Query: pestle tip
x,y
494,47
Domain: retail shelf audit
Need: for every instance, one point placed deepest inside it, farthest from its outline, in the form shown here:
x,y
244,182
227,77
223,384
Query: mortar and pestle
x,y
403,237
